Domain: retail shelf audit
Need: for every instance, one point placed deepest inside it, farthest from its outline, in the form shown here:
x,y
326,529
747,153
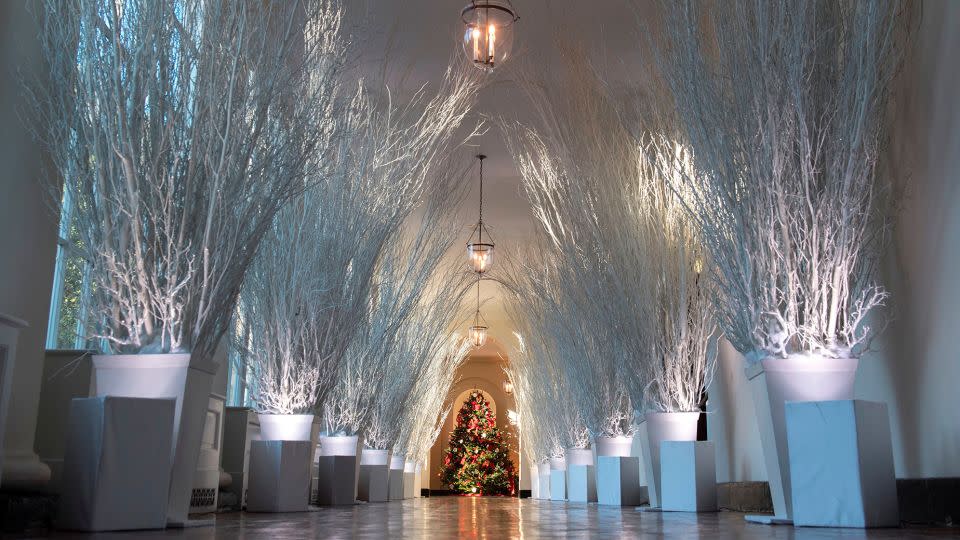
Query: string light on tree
x,y
488,32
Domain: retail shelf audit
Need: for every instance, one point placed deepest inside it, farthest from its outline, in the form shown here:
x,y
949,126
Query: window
x,y
69,313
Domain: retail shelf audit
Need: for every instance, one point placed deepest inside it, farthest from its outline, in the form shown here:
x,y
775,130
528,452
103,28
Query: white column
x,y
28,231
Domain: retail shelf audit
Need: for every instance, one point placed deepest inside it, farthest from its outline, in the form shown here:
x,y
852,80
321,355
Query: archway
x,y
483,371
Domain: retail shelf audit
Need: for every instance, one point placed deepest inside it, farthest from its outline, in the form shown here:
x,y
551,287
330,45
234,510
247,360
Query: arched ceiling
x,y
420,35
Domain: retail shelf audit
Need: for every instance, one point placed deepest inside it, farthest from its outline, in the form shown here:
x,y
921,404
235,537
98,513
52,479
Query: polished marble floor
x,y
495,518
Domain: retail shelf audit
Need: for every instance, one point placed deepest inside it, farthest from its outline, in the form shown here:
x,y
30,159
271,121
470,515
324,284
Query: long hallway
x,y
498,518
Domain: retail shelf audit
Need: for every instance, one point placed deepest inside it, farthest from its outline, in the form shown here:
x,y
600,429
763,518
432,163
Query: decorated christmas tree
x,y
478,458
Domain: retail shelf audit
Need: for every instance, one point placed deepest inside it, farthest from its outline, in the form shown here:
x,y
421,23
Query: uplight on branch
x,y
179,129
784,106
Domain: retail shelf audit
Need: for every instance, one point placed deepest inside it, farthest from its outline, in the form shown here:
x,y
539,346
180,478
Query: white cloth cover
x,y
116,473
618,481
544,480
374,483
688,472
841,464
581,483
338,480
279,476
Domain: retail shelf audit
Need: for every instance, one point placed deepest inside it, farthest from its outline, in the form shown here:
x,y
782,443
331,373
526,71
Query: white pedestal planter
x,y
176,376
689,476
534,482
841,464
581,475
558,479
241,427
775,381
395,485
681,426
613,446
206,482
9,332
116,472
618,474
279,476
544,481
285,427
409,479
374,476
338,470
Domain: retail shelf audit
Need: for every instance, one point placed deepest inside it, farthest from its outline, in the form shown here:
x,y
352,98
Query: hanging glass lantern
x,y
478,332
480,251
478,335
488,32
507,387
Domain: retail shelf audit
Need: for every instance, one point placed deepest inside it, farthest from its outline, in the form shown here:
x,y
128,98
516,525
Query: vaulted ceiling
x,y
420,35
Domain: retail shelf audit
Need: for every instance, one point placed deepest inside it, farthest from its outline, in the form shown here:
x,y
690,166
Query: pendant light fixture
x,y
480,252
488,32
478,332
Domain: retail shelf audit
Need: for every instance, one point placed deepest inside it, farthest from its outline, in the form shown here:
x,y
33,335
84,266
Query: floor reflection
x,y
499,517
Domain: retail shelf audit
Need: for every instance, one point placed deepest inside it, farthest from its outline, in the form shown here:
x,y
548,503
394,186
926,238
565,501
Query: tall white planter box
x,y
374,475
679,426
241,427
9,333
581,475
534,481
418,482
775,381
558,479
544,481
618,473
280,464
116,471
395,485
279,476
178,376
66,375
409,479
206,484
689,476
841,464
338,470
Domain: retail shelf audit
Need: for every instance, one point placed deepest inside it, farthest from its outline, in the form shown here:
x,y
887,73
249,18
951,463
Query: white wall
x,y
27,247
916,369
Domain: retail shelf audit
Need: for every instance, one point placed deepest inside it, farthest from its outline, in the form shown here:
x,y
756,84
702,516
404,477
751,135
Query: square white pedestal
x,y
618,481
374,481
279,476
395,485
117,464
558,485
581,483
544,480
336,480
534,482
841,464
688,473
409,484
